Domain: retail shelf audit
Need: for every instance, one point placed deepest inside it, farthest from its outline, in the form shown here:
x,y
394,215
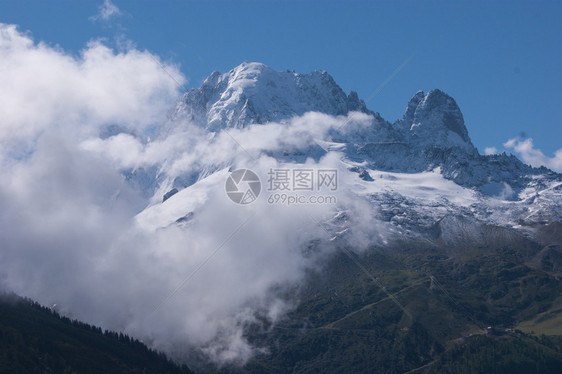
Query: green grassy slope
x,y
347,323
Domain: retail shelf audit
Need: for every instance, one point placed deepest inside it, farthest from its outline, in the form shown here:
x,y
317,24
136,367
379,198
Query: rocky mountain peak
x,y
253,93
436,118
412,106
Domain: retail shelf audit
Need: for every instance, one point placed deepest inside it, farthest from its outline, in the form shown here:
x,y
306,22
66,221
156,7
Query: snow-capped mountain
x,y
414,171
252,93
431,133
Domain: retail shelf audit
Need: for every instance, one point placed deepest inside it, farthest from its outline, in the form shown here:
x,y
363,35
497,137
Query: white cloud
x,y
107,11
490,150
44,87
71,229
533,156
68,226
510,143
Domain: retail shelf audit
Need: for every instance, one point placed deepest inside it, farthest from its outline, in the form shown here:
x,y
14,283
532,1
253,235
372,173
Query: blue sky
x,y
500,60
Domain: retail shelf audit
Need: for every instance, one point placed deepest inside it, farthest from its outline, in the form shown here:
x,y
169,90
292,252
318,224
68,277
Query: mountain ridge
x,y
430,140
431,133
36,339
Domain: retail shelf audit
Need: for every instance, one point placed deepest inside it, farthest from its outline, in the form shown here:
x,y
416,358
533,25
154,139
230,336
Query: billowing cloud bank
x,y
69,223
45,88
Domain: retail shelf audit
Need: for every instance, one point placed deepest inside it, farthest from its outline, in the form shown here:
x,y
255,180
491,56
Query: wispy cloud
x,y
534,156
490,150
107,11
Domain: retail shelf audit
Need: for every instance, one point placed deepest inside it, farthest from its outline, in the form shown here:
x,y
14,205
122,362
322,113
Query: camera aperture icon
x,y
243,186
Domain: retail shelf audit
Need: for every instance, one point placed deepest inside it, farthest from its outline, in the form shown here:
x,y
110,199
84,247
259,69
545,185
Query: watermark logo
x,y
301,186
287,186
302,180
243,186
